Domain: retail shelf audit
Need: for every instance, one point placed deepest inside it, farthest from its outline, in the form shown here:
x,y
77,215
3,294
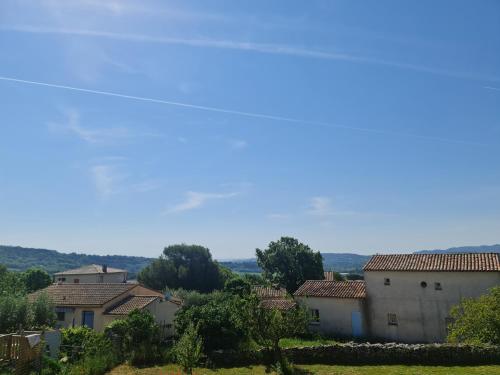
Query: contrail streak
x,y
491,88
229,111
266,48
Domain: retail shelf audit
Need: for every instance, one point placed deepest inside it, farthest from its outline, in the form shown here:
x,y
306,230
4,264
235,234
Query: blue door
x,y
357,326
88,319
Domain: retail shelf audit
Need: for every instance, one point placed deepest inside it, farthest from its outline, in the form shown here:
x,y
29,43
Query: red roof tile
x,y
83,294
467,262
265,292
335,289
278,303
129,304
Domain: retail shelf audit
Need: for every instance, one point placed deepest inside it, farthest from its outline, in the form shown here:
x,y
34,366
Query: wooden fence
x,y
17,353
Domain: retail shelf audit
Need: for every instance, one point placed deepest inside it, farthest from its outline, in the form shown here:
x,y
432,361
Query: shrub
x,y
188,350
42,312
477,321
222,321
138,336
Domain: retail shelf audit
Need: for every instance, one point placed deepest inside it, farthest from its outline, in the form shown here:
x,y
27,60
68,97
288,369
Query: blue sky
x,y
360,126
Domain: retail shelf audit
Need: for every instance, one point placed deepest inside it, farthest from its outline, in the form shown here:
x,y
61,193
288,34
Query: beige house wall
x,y
94,278
420,312
163,311
335,314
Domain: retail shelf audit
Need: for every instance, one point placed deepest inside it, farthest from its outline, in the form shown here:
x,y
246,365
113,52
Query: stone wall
x,y
358,354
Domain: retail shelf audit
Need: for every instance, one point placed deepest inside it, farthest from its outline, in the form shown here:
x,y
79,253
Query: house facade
x,y
337,307
406,297
409,296
91,274
98,304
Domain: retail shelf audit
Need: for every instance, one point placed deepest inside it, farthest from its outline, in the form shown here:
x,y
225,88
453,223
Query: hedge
x,y
364,354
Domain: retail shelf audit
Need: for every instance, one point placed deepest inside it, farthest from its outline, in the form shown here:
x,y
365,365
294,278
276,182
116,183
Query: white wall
x,y
421,312
334,314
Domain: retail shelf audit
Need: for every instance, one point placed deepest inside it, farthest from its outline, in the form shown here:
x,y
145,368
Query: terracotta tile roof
x,y
335,289
278,303
89,270
266,292
466,262
129,304
83,294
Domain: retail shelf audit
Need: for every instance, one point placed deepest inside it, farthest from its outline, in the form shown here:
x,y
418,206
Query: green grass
x,y
296,342
320,370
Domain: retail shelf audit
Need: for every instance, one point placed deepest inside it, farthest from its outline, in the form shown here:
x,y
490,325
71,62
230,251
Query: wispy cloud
x,y
105,179
234,112
237,144
492,88
278,216
267,48
198,199
320,206
72,125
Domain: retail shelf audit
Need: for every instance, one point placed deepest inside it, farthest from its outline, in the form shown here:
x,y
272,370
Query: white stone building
x,y
406,297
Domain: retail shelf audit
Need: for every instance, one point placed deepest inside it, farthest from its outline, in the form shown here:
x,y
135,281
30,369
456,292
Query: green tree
x,y
188,350
269,326
222,321
42,312
239,286
11,283
477,321
36,279
139,336
14,312
289,263
184,266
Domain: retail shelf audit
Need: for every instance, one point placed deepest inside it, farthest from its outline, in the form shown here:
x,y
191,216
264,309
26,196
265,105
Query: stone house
x,y
91,274
404,297
98,304
337,307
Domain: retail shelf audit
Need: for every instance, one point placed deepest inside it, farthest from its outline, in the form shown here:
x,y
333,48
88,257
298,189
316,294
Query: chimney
x,y
104,268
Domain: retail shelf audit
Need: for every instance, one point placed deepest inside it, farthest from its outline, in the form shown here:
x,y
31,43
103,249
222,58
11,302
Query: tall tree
x,y
36,279
289,263
184,266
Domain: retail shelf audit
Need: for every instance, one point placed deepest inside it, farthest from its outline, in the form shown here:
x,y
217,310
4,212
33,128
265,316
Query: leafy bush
x,y
138,336
42,312
188,350
51,366
477,321
222,321
14,311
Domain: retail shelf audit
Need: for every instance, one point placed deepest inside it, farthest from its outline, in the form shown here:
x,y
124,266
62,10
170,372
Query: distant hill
x,y
21,258
464,249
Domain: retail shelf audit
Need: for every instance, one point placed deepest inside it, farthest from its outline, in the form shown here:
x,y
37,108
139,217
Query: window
x,y
61,316
61,279
387,281
392,319
76,281
101,279
314,316
88,319
437,286
423,284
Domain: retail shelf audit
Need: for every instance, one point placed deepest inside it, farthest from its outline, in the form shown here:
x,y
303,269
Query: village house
x,y
91,274
96,305
336,306
273,298
404,297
